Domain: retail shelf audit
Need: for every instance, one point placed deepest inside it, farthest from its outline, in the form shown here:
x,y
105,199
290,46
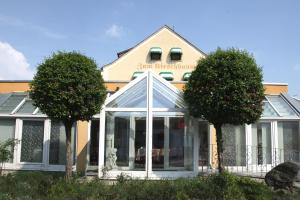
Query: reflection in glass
x,y
57,151
134,97
7,130
261,144
158,143
164,97
125,146
288,139
234,143
172,144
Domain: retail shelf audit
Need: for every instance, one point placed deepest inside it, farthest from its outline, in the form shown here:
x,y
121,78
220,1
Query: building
x,y
143,129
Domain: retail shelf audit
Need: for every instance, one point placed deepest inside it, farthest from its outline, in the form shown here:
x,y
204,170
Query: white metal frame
x,y
148,172
44,165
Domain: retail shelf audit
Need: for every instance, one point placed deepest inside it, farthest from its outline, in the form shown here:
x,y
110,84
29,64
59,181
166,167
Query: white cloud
x,y
13,64
114,31
25,25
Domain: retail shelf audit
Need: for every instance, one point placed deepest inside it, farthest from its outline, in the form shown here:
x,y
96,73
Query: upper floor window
x,y
186,76
155,53
176,53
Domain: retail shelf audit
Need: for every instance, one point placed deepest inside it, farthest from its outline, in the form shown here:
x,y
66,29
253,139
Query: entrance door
x,y
94,145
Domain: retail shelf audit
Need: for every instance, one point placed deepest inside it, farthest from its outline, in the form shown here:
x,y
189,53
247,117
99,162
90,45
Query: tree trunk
x,y
69,160
220,147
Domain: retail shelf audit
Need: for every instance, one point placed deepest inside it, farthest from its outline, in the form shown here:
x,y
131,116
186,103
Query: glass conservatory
x,y
273,139
145,131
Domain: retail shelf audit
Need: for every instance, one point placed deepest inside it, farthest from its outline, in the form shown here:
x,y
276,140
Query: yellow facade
x,y
138,58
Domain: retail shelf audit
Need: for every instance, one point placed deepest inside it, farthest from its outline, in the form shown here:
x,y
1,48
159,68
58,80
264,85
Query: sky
x,y
32,30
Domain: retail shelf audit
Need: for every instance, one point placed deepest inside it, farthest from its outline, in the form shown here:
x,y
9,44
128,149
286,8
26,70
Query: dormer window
x,y
167,76
186,76
136,74
155,53
176,53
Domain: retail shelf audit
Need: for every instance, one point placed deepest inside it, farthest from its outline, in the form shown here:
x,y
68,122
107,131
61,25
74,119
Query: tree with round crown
x,y
68,87
225,88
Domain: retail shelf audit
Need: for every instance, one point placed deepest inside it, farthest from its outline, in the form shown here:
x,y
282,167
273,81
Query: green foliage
x,y
6,151
68,87
26,185
39,185
226,88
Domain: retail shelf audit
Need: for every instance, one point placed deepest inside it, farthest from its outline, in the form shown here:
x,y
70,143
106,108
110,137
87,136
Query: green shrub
x,y
42,185
28,185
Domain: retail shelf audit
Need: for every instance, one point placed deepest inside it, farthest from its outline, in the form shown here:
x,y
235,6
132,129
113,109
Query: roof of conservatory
x,y
17,103
275,106
281,106
135,94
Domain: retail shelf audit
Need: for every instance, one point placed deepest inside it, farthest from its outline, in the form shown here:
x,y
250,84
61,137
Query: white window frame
x,y
44,165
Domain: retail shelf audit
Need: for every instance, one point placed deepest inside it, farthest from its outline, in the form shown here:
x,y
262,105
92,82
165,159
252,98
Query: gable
x,y
138,58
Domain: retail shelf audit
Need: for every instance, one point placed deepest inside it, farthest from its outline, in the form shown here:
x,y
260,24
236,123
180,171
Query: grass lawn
x,y
42,185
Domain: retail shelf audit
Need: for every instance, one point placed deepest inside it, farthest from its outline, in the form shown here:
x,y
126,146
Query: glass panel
x,y
158,145
164,97
234,145
176,143
32,141
261,149
268,110
27,107
134,97
204,143
57,152
11,103
125,143
281,106
288,139
7,130
172,144
94,143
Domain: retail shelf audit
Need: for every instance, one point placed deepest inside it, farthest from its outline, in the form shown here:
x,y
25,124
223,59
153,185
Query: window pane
x,y
281,106
234,145
164,97
134,97
57,152
268,110
288,139
94,143
27,107
11,103
172,144
7,130
177,140
32,141
204,144
261,149
125,140
158,138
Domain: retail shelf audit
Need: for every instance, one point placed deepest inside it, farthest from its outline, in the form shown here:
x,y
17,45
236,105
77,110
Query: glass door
x,y
170,144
